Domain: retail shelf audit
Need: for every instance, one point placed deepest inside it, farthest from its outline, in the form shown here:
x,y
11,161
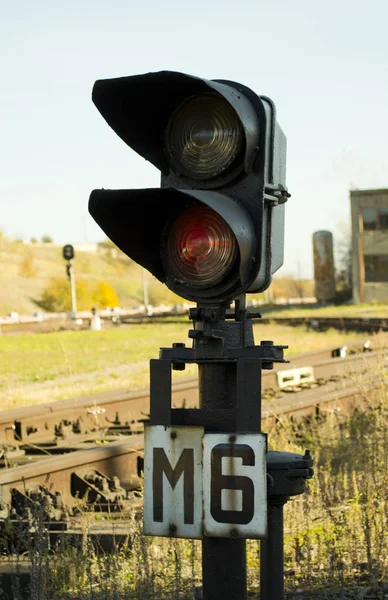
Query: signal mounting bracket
x,y
221,343
220,334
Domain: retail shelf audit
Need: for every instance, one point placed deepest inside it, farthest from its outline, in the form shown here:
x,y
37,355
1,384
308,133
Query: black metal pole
x,y
224,572
229,366
272,556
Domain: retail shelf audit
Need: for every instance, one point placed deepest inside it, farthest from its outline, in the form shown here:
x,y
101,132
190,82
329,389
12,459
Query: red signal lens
x,y
201,247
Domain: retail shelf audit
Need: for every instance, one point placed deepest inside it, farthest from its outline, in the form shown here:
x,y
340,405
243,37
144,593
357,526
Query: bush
x,y
56,297
105,295
47,239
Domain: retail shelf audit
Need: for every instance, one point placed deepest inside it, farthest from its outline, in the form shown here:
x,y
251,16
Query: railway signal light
x,y
68,252
215,227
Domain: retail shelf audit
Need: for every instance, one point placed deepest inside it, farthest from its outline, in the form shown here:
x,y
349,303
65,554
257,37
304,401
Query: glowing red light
x,y
201,246
197,243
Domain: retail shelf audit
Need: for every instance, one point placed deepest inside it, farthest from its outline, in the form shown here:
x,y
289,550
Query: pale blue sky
x,y
325,64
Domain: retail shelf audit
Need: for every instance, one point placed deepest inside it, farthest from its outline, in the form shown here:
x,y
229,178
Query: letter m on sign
x,y
173,481
185,466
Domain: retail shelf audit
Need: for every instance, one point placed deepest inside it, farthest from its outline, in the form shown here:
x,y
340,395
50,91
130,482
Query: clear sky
x,y
325,64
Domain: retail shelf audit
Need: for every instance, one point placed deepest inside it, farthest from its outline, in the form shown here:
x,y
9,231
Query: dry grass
x,y
39,368
335,534
336,543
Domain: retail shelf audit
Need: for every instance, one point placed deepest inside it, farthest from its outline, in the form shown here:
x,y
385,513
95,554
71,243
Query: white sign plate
x,y
235,485
173,481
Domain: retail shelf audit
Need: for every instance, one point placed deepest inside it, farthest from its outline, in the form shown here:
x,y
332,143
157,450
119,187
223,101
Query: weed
x,y
335,533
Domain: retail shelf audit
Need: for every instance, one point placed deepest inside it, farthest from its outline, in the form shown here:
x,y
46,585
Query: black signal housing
x,y
68,252
245,188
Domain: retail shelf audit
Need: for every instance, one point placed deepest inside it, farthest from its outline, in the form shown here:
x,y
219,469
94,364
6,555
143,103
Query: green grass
x,y
46,367
352,310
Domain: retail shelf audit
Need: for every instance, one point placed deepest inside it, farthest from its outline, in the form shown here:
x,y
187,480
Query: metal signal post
x,y
68,254
232,501
229,367
212,232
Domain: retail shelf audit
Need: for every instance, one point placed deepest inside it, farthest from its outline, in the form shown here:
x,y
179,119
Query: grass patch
x,y
40,368
355,311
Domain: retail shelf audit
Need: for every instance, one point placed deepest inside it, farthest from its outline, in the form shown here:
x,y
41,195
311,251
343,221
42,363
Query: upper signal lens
x,y
201,247
204,137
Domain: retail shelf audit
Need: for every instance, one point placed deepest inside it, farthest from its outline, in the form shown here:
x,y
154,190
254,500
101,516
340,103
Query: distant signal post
x,y
68,254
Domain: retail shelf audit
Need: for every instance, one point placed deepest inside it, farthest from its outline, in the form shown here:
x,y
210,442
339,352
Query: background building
x,y
369,210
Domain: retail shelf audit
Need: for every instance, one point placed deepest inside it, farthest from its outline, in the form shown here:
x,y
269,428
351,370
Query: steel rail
x,y
318,323
69,488
122,411
104,476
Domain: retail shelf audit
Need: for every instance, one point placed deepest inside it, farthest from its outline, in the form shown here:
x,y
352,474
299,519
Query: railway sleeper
x,y
38,502
92,490
71,430
100,492
125,412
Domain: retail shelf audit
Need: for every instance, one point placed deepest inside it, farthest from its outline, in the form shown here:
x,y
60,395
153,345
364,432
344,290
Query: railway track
x,y
67,462
359,324
86,454
47,427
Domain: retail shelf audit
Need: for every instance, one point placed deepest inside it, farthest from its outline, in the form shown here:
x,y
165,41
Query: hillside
x,y
26,270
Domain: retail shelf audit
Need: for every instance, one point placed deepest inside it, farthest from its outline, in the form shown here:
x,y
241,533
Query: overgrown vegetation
x,y
335,534
56,297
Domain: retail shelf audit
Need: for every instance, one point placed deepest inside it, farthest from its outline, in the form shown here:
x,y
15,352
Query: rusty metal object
x,y
100,478
337,396
118,412
106,478
103,477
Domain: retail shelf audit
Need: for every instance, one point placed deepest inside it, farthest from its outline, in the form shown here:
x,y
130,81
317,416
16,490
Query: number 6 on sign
x,y
234,485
